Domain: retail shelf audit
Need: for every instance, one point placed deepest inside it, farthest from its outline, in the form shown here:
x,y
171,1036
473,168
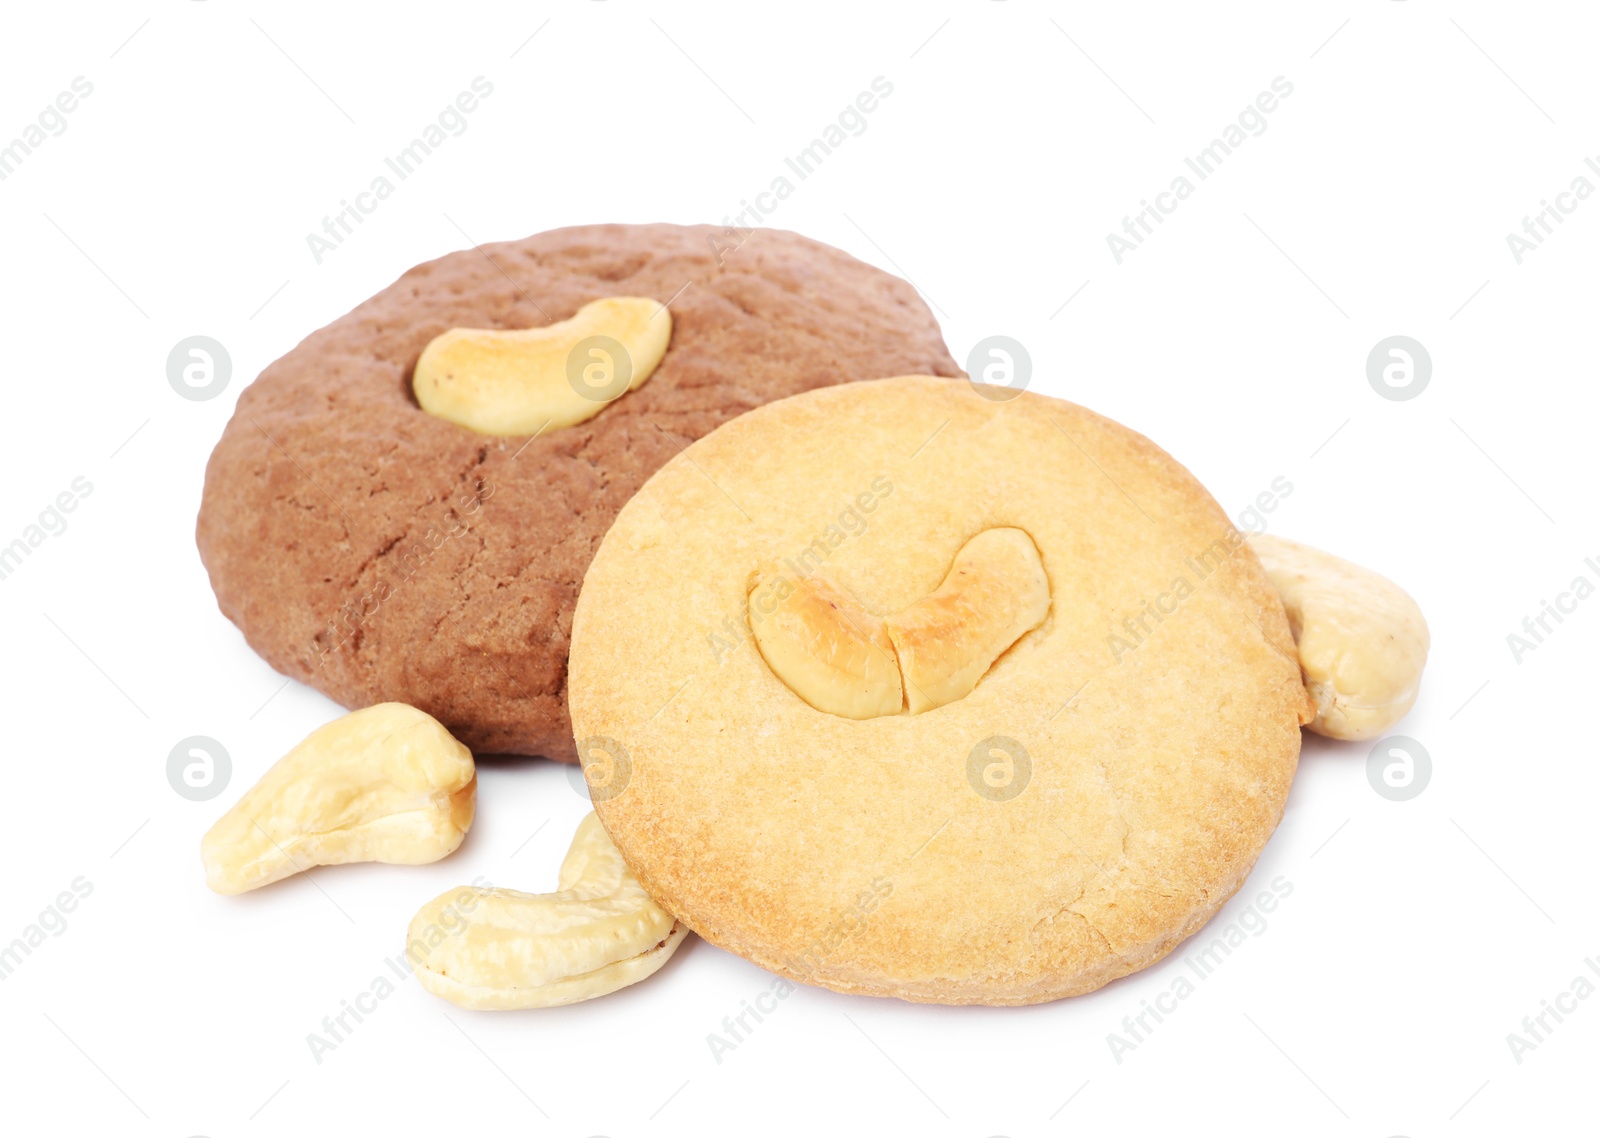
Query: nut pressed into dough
x,y
1098,794
840,658
526,381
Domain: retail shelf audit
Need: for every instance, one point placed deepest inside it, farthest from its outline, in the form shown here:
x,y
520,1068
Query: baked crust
x,y
858,854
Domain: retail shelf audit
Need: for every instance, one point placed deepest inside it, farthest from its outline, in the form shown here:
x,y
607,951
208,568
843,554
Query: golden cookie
x,y
1021,832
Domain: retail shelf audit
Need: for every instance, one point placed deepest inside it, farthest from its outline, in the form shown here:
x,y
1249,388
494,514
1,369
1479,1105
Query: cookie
x,y
378,553
1064,817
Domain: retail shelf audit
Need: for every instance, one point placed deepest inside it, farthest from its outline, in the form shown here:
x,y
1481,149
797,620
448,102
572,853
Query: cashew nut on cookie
x,y
527,380
841,659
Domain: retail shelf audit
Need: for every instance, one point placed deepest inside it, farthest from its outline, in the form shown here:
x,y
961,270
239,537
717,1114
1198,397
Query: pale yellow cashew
x,y
497,949
995,593
386,783
528,381
841,659
831,652
1362,640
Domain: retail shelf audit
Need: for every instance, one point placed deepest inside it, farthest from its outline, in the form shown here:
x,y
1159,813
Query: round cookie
x,y
1100,793
379,553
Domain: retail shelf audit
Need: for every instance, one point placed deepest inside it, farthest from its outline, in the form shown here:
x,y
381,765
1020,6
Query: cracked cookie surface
x,y
378,553
1104,788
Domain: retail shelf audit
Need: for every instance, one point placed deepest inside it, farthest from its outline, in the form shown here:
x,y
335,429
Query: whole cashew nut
x,y
386,783
1362,640
525,381
839,658
599,932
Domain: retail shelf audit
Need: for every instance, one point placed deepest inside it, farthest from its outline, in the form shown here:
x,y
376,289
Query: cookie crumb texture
x,y
1102,791
377,553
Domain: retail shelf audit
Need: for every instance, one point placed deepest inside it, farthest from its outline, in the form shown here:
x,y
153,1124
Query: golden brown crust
x,y
858,854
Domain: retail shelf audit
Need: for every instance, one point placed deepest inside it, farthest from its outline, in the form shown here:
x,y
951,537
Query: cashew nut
x,y
598,933
995,593
841,659
386,783
526,381
1362,640
831,652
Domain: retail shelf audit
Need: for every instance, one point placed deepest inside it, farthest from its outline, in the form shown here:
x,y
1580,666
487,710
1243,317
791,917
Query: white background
x,y
1018,135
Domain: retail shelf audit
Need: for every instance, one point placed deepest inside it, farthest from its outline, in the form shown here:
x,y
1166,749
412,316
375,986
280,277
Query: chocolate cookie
x,y
378,553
